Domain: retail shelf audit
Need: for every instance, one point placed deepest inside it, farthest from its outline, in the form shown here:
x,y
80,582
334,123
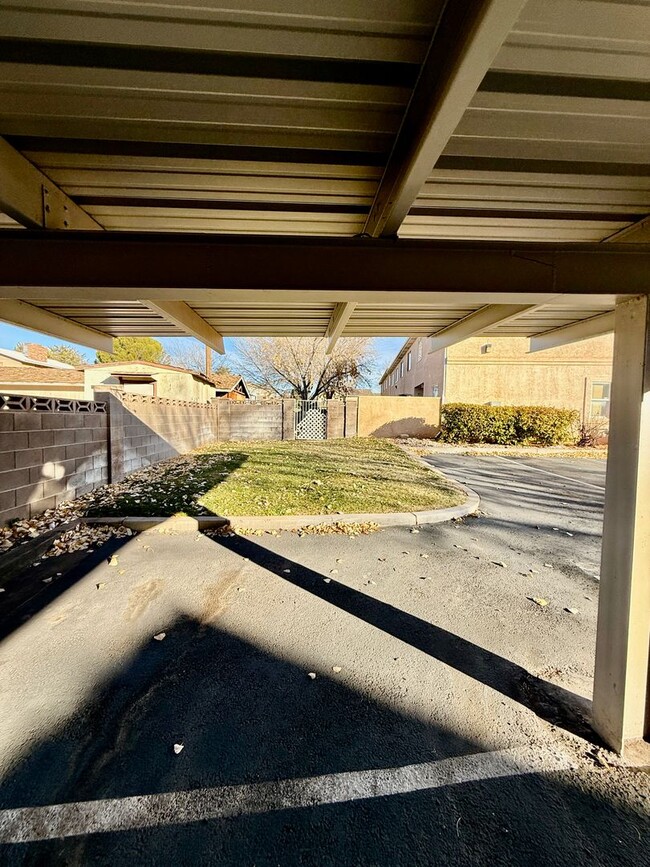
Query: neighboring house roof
x,y
229,382
154,364
32,375
400,355
15,355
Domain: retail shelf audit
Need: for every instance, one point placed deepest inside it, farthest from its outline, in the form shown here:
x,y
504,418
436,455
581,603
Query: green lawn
x,y
282,478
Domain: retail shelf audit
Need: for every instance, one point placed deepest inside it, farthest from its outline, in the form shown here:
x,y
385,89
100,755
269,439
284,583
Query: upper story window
x,y
420,345
409,361
599,406
401,368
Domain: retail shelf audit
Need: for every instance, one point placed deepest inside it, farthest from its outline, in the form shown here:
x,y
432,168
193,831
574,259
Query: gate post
x,y
351,416
288,419
620,702
335,419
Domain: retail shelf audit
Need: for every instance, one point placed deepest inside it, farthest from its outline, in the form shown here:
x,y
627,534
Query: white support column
x,y
620,702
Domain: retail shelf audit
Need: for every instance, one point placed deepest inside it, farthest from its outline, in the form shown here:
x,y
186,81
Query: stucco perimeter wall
x,y
384,416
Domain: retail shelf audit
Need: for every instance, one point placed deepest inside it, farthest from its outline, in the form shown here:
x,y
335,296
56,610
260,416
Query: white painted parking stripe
x,y
549,473
29,824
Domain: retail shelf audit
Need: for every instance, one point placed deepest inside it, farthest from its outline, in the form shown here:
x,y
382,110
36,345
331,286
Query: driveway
x,y
392,699
532,497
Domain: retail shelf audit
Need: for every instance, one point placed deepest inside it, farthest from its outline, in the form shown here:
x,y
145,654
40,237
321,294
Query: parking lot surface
x,y
394,699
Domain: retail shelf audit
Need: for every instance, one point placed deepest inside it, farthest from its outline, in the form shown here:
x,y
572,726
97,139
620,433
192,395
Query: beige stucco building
x,y
142,377
500,370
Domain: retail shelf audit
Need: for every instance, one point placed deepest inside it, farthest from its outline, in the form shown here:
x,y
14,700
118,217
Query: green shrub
x,y
507,425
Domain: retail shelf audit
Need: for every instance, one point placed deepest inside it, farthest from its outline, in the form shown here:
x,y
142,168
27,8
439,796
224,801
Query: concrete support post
x,y
288,419
620,702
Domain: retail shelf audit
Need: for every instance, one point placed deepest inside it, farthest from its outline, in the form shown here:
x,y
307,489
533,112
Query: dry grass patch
x,y
284,478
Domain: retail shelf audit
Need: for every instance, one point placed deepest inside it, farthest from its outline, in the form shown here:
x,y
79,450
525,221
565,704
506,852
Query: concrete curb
x,y
186,524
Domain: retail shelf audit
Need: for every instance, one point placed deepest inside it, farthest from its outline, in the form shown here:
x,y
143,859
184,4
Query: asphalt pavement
x,y
393,699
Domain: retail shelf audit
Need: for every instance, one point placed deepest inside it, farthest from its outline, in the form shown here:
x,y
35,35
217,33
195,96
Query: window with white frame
x,y
420,345
409,361
401,368
599,404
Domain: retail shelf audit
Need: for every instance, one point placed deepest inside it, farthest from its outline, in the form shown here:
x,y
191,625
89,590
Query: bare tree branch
x,y
299,367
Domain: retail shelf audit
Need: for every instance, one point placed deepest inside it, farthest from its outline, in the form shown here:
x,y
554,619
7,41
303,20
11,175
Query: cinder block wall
x,y
145,430
241,420
49,457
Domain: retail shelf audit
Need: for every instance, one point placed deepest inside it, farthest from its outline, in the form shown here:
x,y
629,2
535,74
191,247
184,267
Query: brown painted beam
x,y
33,261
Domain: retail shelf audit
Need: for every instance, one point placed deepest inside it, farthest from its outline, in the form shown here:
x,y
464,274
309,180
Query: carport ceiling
x,y
482,121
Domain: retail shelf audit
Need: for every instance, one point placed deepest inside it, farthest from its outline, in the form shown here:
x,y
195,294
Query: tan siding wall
x,y
429,372
508,374
169,383
50,390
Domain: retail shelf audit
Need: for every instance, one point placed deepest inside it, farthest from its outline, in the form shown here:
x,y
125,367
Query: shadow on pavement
x,y
549,701
247,717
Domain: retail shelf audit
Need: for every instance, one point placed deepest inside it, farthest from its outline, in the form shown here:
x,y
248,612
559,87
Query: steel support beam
x,y
339,319
466,42
28,316
621,712
32,199
583,330
167,265
477,323
188,320
637,233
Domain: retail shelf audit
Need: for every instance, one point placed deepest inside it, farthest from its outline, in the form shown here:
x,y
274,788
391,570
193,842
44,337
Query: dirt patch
x,y
216,598
141,597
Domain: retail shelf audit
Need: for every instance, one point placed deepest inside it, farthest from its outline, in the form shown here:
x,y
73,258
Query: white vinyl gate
x,y
311,420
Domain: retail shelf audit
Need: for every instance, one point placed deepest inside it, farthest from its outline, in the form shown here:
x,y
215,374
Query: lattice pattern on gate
x,y
311,420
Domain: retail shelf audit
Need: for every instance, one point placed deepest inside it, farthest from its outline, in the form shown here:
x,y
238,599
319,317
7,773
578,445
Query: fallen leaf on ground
x,y
159,636
178,748
312,675
571,610
100,585
538,600
499,563
113,560
336,668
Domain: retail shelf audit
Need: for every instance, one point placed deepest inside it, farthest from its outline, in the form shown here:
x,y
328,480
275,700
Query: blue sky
x,y
385,347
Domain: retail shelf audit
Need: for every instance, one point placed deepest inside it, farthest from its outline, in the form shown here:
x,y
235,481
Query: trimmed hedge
x,y
507,425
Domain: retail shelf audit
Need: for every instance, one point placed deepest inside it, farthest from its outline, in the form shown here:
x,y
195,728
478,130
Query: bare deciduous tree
x,y
298,366
190,354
